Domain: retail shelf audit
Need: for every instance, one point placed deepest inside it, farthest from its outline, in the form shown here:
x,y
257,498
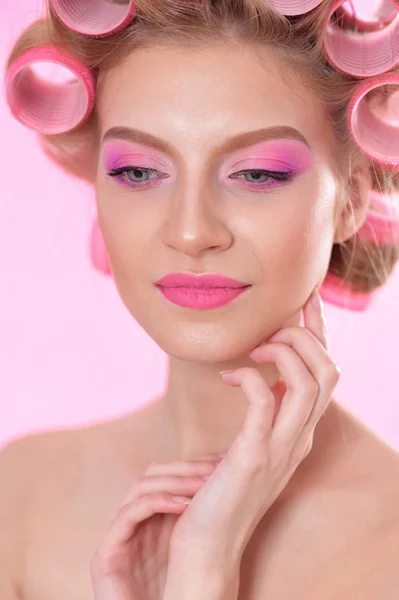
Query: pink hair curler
x,y
48,105
292,8
366,15
373,119
367,48
98,252
339,292
95,18
382,223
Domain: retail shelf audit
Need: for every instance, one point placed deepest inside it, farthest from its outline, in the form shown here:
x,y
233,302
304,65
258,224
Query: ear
x,y
354,204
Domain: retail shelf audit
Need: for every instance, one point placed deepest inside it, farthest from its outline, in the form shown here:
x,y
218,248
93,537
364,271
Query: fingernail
x,y
316,301
227,371
181,500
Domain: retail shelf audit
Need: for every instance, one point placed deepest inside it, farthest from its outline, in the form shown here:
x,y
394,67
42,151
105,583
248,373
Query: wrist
x,y
201,585
194,590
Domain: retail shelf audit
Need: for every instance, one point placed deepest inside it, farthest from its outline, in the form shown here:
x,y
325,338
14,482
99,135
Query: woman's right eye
x,y
133,176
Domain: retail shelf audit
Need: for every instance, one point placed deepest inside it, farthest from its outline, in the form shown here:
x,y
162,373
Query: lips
x,y
203,281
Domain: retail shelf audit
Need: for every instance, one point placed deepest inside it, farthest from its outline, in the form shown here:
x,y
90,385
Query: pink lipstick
x,y
201,292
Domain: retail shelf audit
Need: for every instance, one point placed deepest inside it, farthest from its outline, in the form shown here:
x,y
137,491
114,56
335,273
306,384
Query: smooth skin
x,y
208,540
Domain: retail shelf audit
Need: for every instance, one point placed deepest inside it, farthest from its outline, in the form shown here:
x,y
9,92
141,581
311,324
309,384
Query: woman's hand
x,y
209,539
132,560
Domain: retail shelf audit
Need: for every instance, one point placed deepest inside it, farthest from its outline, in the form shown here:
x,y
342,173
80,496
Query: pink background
x,y
70,353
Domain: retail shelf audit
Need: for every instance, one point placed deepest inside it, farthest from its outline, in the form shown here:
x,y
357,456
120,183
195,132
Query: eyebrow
x,y
236,142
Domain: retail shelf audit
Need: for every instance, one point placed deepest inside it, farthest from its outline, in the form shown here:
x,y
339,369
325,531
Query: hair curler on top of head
x,y
95,18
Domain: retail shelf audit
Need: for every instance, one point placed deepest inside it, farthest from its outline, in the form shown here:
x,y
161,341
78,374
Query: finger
x,y
202,457
298,401
157,476
319,409
310,343
259,418
165,483
315,320
113,551
319,363
316,358
279,389
182,467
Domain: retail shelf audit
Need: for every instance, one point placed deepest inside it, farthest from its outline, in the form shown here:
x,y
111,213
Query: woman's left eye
x,y
272,177
262,178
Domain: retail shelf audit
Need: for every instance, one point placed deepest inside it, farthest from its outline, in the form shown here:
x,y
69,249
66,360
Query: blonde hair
x,y
298,41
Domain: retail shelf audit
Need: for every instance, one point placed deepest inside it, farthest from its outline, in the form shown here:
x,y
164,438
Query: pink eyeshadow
x,y
119,153
278,155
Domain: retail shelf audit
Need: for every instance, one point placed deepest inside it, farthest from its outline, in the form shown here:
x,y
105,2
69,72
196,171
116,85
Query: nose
x,y
195,223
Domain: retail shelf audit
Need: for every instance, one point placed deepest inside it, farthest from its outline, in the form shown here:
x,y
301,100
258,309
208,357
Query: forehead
x,y
202,94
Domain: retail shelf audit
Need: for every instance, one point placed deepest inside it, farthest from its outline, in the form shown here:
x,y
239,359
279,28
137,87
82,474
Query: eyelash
x,y
283,176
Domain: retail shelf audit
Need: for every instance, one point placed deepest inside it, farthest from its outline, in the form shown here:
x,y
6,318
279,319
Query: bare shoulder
x,y
23,462
379,546
51,462
367,525
18,470
54,456
99,458
19,461
337,536
370,482
47,484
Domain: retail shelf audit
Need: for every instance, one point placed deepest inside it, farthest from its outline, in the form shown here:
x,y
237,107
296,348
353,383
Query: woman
x,y
227,139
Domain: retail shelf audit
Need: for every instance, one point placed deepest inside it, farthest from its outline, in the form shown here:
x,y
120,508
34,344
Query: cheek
x,y
321,220
296,234
125,243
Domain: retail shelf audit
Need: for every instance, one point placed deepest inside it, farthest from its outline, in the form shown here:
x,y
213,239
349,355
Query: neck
x,y
203,413
200,414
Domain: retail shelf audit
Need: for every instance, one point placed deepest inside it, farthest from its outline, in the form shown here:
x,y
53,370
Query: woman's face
x,y
188,207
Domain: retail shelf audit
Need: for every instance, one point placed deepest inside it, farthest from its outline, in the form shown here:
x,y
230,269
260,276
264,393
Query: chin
x,y
202,354
203,336
203,344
